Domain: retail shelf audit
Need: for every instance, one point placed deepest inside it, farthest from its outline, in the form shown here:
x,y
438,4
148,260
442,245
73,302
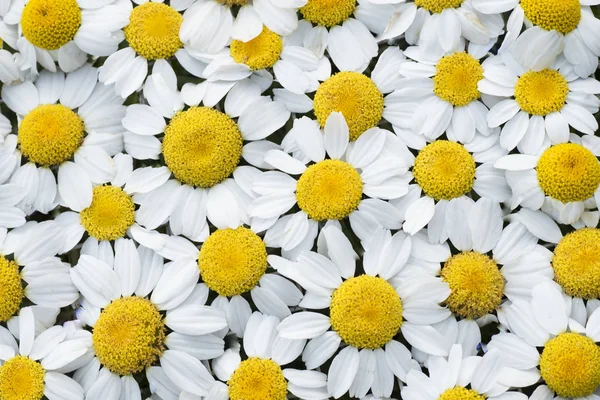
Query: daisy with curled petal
x,y
537,107
67,31
123,304
64,118
552,26
365,311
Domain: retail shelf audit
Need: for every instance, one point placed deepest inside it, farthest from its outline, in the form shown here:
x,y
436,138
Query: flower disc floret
x,y
153,31
476,284
11,290
257,378
437,6
366,312
232,3
570,365
329,189
355,96
444,170
21,378
541,93
328,12
568,172
553,15
129,335
261,52
232,261
460,393
456,79
202,146
50,134
50,24
111,213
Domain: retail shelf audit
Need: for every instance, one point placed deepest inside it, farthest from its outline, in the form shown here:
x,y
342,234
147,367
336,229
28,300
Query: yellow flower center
x,y
456,79
50,24
129,335
568,172
21,378
476,284
328,12
541,93
232,261
444,170
460,393
153,31
232,3
553,15
330,189
202,146
257,378
576,263
11,290
355,96
111,213
437,6
50,134
261,52
366,312
570,365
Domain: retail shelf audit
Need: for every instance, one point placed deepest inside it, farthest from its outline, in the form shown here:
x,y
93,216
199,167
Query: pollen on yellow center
x,y
576,263
559,15
437,6
232,261
570,365
541,93
328,12
460,393
111,213
21,378
11,290
476,284
261,52
329,189
444,170
153,31
50,134
568,172
202,146
257,378
50,24
366,312
456,79
355,96
129,335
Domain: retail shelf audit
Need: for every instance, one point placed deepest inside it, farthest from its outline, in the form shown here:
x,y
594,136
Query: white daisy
x,y
63,119
11,67
563,181
552,26
123,304
365,311
537,108
46,31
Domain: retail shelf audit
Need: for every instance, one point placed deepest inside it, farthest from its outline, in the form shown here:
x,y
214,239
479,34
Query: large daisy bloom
x,y
35,366
552,27
365,311
260,375
202,148
69,124
64,30
537,107
122,303
564,180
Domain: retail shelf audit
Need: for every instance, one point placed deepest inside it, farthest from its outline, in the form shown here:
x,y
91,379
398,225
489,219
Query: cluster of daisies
x,y
299,199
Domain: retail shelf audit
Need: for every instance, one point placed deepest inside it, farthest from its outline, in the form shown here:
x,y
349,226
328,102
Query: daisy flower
x,y
537,107
203,148
123,304
260,375
64,118
552,27
35,367
365,311
564,180
64,30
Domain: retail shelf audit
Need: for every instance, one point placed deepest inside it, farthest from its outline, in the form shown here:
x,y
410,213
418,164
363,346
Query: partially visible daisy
x,y
539,105
123,305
